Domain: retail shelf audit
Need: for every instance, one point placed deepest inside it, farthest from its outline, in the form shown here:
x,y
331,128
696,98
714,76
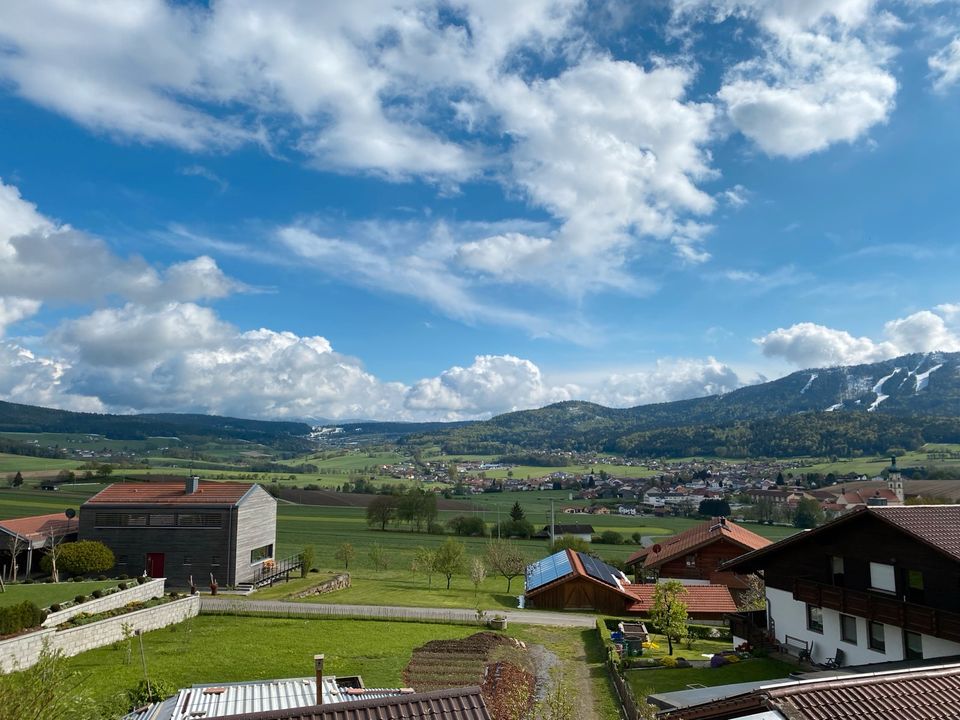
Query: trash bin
x,y
634,648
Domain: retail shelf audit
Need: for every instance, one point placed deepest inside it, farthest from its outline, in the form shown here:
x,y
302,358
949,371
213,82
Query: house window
x,y
691,561
109,520
137,520
883,577
204,520
162,519
912,646
877,639
848,629
260,554
836,569
814,618
914,586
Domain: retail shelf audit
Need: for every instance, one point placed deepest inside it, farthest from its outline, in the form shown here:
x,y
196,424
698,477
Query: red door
x,y
155,565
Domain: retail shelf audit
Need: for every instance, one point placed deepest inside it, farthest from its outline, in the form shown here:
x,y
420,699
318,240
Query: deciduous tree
x,y
382,510
450,558
345,553
505,559
669,611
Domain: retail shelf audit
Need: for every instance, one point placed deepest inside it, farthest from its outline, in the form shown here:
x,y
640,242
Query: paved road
x,y
281,607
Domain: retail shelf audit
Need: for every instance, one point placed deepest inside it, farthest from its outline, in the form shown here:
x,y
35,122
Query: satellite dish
x,y
656,548
70,513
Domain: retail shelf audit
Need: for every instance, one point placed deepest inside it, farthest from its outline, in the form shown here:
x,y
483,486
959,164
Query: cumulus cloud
x,y
945,66
41,261
811,345
669,379
182,357
821,77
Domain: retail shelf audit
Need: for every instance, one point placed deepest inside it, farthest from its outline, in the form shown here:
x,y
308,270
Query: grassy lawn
x,y
691,651
45,594
12,464
214,649
661,680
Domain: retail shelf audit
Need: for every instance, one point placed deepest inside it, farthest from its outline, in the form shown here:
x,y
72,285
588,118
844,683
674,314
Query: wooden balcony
x,y
880,608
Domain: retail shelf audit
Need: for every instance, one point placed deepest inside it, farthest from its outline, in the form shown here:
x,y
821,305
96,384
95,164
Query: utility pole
x,y
498,521
553,523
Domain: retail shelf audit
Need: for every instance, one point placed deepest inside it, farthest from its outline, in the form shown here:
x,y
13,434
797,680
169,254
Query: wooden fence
x,y
628,703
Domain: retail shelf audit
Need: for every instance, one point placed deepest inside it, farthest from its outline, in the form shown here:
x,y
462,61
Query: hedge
x,y
21,616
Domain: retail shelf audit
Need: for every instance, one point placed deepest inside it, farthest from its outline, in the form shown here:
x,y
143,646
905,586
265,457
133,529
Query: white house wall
x,y
789,617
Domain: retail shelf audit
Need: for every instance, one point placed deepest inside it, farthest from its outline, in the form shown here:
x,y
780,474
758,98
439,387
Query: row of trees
x,y
500,557
415,508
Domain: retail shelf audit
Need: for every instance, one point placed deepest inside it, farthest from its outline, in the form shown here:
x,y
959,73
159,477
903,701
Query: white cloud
x,y
669,379
811,345
14,309
945,66
42,261
32,380
821,77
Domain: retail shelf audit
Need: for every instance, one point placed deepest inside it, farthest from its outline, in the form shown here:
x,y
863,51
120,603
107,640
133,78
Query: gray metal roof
x,y
227,699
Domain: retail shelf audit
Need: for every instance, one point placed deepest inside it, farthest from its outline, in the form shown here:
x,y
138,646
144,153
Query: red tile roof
x,y
918,694
208,493
700,599
696,537
937,526
40,527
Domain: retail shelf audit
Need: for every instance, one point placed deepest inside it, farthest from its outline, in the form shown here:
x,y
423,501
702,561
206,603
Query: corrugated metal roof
x,y
453,704
230,699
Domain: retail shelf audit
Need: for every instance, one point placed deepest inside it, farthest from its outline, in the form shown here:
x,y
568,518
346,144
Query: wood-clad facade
x,y
580,593
703,563
182,534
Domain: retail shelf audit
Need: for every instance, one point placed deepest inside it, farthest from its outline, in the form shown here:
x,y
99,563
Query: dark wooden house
x,y
696,555
179,530
879,584
570,580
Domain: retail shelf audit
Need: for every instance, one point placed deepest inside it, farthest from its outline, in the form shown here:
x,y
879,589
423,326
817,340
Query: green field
x,y
45,594
10,464
217,649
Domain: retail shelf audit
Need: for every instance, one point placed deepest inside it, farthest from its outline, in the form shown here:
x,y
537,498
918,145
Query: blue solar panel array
x,y
599,569
548,570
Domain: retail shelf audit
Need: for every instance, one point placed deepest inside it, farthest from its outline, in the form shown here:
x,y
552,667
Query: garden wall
x,y
340,581
23,651
137,593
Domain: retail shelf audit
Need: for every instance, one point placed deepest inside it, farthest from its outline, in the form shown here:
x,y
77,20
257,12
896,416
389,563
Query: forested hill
x,y
28,418
868,408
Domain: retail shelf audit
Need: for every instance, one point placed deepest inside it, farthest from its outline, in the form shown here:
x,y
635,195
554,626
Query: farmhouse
x,y
179,530
694,556
877,584
25,535
570,580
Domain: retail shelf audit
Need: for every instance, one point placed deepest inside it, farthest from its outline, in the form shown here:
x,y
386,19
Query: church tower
x,y
894,479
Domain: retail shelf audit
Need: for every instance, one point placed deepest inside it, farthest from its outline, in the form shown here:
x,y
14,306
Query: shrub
x,y
718,660
308,556
55,607
122,576
145,693
101,577
611,537
78,579
21,616
141,579
28,581
668,661
314,570
97,594
122,586
78,599
468,525
435,528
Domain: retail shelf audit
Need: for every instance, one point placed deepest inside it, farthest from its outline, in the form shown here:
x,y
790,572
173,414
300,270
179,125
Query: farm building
x,y
179,530
570,580
694,556
27,535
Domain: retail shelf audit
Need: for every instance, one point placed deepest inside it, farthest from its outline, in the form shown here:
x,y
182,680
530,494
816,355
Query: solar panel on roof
x,y
599,570
548,570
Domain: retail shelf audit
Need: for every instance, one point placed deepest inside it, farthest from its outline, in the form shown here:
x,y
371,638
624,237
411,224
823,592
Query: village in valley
x,y
634,588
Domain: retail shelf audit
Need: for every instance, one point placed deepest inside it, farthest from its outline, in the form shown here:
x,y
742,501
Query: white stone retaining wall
x,y
23,651
137,593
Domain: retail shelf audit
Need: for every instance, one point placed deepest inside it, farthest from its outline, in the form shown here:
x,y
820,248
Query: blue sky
x,y
445,210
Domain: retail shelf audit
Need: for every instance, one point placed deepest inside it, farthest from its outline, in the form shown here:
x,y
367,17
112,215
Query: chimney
x,y
191,484
318,666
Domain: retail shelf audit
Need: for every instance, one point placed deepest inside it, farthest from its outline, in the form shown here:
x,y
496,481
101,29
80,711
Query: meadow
x,y
45,594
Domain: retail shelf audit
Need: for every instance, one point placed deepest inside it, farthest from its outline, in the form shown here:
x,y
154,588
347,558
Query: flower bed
x,y
87,618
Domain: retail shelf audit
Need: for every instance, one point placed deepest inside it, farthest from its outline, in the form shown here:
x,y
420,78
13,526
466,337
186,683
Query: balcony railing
x,y
880,608
272,571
